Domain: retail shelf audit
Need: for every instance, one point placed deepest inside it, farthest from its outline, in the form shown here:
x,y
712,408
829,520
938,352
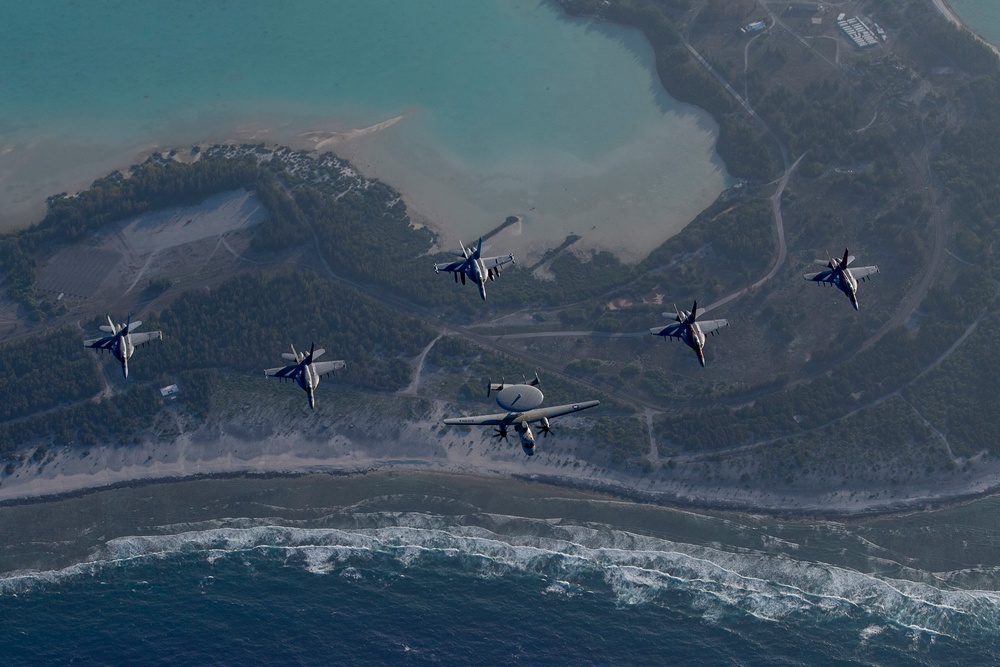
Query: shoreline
x,y
945,9
68,474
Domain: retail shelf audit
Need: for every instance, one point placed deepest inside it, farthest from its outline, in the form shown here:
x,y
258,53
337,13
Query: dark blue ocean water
x,y
416,588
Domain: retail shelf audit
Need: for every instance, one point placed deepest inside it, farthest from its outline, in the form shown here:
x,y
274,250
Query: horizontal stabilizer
x,y
288,356
107,327
318,353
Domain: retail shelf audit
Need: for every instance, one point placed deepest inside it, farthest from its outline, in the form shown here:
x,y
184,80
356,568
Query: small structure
x,y
170,391
858,32
756,26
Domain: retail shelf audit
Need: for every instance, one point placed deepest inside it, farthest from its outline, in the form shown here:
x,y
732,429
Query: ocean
x,y
504,107
983,16
441,569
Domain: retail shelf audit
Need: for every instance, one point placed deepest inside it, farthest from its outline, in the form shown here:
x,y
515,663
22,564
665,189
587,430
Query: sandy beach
x,y
421,447
946,10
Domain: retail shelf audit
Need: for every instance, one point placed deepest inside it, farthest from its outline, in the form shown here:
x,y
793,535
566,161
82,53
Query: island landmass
x,y
805,406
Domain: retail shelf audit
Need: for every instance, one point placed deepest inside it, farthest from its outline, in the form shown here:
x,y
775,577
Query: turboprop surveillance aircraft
x,y
845,279
522,405
306,371
122,341
478,269
689,329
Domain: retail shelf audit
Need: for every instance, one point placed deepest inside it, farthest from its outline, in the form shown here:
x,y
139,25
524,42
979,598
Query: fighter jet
x,y
306,371
689,329
521,403
479,269
845,279
122,341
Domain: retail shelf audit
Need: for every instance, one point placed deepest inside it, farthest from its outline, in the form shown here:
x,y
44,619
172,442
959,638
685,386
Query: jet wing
x,y
326,367
145,337
451,266
105,343
284,373
822,277
862,272
556,411
493,262
671,330
708,326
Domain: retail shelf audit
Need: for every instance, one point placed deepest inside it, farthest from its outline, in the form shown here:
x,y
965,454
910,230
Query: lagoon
x,y
504,107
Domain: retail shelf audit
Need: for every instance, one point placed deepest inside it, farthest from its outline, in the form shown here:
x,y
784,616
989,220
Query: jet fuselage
x,y
695,338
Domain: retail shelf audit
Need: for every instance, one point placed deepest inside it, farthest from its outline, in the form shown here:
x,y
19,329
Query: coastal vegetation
x,y
896,152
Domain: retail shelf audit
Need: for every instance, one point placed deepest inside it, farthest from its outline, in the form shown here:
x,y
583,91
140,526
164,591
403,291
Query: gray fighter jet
x,y
522,403
122,341
306,371
689,329
479,269
845,279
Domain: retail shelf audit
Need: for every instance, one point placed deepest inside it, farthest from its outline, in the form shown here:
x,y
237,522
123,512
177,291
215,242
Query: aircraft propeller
x,y
500,432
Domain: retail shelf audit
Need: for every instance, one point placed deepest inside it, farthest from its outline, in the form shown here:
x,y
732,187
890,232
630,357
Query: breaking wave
x,y
568,559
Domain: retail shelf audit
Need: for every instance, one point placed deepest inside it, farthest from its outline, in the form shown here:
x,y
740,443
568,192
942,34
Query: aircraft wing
x,y
105,343
671,330
556,411
708,326
327,367
483,420
493,262
507,418
451,266
284,373
862,272
145,337
822,277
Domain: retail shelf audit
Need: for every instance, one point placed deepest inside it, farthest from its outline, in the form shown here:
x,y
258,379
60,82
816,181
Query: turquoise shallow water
x,y
508,107
983,16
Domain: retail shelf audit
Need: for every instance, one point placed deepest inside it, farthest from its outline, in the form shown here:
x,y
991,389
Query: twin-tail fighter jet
x,y
479,269
122,341
689,329
306,371
522,405
845,279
